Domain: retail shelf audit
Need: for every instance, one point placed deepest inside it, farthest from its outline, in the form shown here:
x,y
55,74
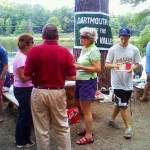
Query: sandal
x,y
85,140
83,133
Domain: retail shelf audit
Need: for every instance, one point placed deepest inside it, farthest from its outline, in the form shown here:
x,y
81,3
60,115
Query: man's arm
x,y
4,71
28,68
135,66
70,68
110,65
21,75
72,78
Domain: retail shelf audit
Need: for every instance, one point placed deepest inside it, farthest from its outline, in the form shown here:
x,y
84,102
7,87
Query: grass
x,y
38,37
66,39
62,37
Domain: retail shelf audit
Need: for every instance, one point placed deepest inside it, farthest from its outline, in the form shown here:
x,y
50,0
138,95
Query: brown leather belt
x,y
50,88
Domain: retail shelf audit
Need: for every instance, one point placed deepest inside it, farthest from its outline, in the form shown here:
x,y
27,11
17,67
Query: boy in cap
x,y
122,58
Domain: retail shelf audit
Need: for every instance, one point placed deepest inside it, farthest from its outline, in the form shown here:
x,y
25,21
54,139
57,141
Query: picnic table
x,y
69,87
8,94
138,85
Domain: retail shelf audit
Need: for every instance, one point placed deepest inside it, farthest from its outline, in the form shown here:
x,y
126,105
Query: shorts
x,y
148,78
85,89
121,97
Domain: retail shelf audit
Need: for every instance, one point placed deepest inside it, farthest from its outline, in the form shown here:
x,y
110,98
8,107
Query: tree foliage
x,y
21,26
66,17
8,26
56,22
2,25
140,22
20,18
144,38
134,2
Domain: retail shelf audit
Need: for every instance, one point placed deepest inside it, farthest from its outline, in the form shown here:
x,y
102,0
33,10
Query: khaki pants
x,y
49,106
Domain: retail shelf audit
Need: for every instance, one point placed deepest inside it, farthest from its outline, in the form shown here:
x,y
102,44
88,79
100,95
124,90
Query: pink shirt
x,y
19,61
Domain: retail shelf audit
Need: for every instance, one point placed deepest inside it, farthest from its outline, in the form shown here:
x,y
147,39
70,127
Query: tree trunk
x,y
92,5
95,6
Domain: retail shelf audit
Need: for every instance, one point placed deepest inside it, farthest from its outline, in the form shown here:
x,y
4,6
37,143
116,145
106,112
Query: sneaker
x,y
113,124
128,133
26,145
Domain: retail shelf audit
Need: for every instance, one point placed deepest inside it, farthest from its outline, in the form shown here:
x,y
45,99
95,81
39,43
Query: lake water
x,y
11,45
12,48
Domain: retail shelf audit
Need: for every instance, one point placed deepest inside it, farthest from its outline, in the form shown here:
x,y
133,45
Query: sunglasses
x,y
84,37
32,42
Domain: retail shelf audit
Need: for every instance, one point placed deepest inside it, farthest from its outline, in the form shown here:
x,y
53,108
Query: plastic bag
x,y
73,115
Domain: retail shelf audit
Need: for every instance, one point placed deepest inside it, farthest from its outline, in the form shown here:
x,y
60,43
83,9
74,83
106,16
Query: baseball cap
x,y
124,32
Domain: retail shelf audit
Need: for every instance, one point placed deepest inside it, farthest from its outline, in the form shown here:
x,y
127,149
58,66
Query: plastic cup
x,y
128,65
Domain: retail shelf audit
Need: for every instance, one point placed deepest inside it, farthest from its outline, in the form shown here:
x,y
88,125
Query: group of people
x,y
40,72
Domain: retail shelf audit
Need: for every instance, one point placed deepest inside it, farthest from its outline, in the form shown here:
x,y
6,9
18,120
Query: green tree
x,y
134,2
39,17
115,25
56,22
30,26
141,15
144,38
21,27
36,16
66,17
20,12
8,25
2,26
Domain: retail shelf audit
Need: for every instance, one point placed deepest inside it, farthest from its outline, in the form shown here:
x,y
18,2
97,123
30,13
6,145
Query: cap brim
x,y
124,35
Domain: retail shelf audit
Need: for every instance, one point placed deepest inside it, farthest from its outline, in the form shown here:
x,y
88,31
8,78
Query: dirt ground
x,y
105,137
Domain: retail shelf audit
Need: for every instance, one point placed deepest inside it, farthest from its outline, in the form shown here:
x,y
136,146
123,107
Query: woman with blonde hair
x,y
22,91
88,65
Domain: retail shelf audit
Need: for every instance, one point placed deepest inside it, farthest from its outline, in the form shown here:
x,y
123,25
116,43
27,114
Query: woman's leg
x,y
86,109
23,126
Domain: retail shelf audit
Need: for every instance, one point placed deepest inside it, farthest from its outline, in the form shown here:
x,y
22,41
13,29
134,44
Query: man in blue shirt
x,y
147,85
3,71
